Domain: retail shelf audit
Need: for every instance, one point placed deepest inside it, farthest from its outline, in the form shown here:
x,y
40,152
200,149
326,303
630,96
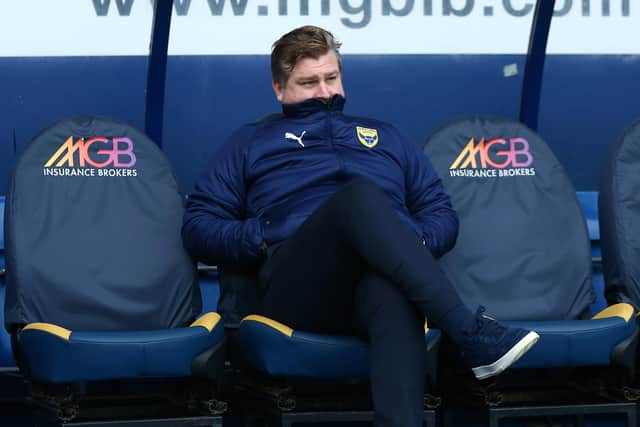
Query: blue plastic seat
x,y
524,250
278,350
291,368
99,286
278,361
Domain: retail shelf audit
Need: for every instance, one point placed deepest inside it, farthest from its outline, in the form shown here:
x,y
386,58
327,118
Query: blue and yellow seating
x,y
619,207
286,369
524,251
99,287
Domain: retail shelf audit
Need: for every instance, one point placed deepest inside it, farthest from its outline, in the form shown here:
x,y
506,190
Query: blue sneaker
x,y
490,347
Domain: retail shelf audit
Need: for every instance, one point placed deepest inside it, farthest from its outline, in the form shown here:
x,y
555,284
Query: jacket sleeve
x,y
428,203
215,228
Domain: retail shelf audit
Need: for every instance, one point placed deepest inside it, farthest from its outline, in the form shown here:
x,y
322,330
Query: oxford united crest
x,y
368,137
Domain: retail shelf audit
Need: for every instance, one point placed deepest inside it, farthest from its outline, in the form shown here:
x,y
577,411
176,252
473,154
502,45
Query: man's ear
x,y
277,89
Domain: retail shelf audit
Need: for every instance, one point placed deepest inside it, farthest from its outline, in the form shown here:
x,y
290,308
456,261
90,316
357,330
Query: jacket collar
x,y
312,105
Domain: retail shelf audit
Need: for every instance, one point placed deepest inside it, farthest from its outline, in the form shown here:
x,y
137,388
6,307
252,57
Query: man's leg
x,y
311,279
316,268
394,329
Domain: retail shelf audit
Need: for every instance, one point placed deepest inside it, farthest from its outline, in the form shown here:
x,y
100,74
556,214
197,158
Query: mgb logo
x,y
494,158
94,156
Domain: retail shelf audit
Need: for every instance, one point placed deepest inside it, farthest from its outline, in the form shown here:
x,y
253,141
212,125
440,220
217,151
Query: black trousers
x,y
354,267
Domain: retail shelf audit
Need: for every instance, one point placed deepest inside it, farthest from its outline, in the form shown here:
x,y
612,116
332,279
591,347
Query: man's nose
x,y
323,92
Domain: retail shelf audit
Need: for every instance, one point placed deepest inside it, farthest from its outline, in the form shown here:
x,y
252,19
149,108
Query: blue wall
x,y
586,100
37,91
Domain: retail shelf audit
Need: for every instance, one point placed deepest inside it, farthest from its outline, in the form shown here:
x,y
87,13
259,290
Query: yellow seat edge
x,y
623,310
207,320
50,328
284,329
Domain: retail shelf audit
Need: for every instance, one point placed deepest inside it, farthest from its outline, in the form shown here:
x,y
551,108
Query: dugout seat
x,y
297,376
523,252
278,350
100,290
619,205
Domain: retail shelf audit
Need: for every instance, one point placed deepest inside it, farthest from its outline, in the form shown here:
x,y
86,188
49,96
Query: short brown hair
x,y
303,42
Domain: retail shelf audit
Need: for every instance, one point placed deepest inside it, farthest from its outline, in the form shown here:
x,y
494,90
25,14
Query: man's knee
x,y
381,305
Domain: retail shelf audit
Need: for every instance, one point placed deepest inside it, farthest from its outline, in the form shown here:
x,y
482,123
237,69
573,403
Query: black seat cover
x,y
92,226
523,249
619,215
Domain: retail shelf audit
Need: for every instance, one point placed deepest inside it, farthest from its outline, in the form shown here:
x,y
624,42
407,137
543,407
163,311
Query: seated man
x,y
344,217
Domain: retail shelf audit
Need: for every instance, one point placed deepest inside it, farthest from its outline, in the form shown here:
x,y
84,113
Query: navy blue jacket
x,y
271,175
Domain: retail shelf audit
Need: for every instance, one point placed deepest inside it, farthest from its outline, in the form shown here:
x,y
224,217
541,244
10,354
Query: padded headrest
x,y
619,208
92,225
523,249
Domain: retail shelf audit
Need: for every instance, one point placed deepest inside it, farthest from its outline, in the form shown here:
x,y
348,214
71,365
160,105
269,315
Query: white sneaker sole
x,y
508,359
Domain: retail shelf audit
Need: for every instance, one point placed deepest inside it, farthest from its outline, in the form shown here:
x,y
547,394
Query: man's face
x,y
312,78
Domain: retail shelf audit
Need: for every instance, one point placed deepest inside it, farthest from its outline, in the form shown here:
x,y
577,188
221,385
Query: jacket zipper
x,y
330,136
